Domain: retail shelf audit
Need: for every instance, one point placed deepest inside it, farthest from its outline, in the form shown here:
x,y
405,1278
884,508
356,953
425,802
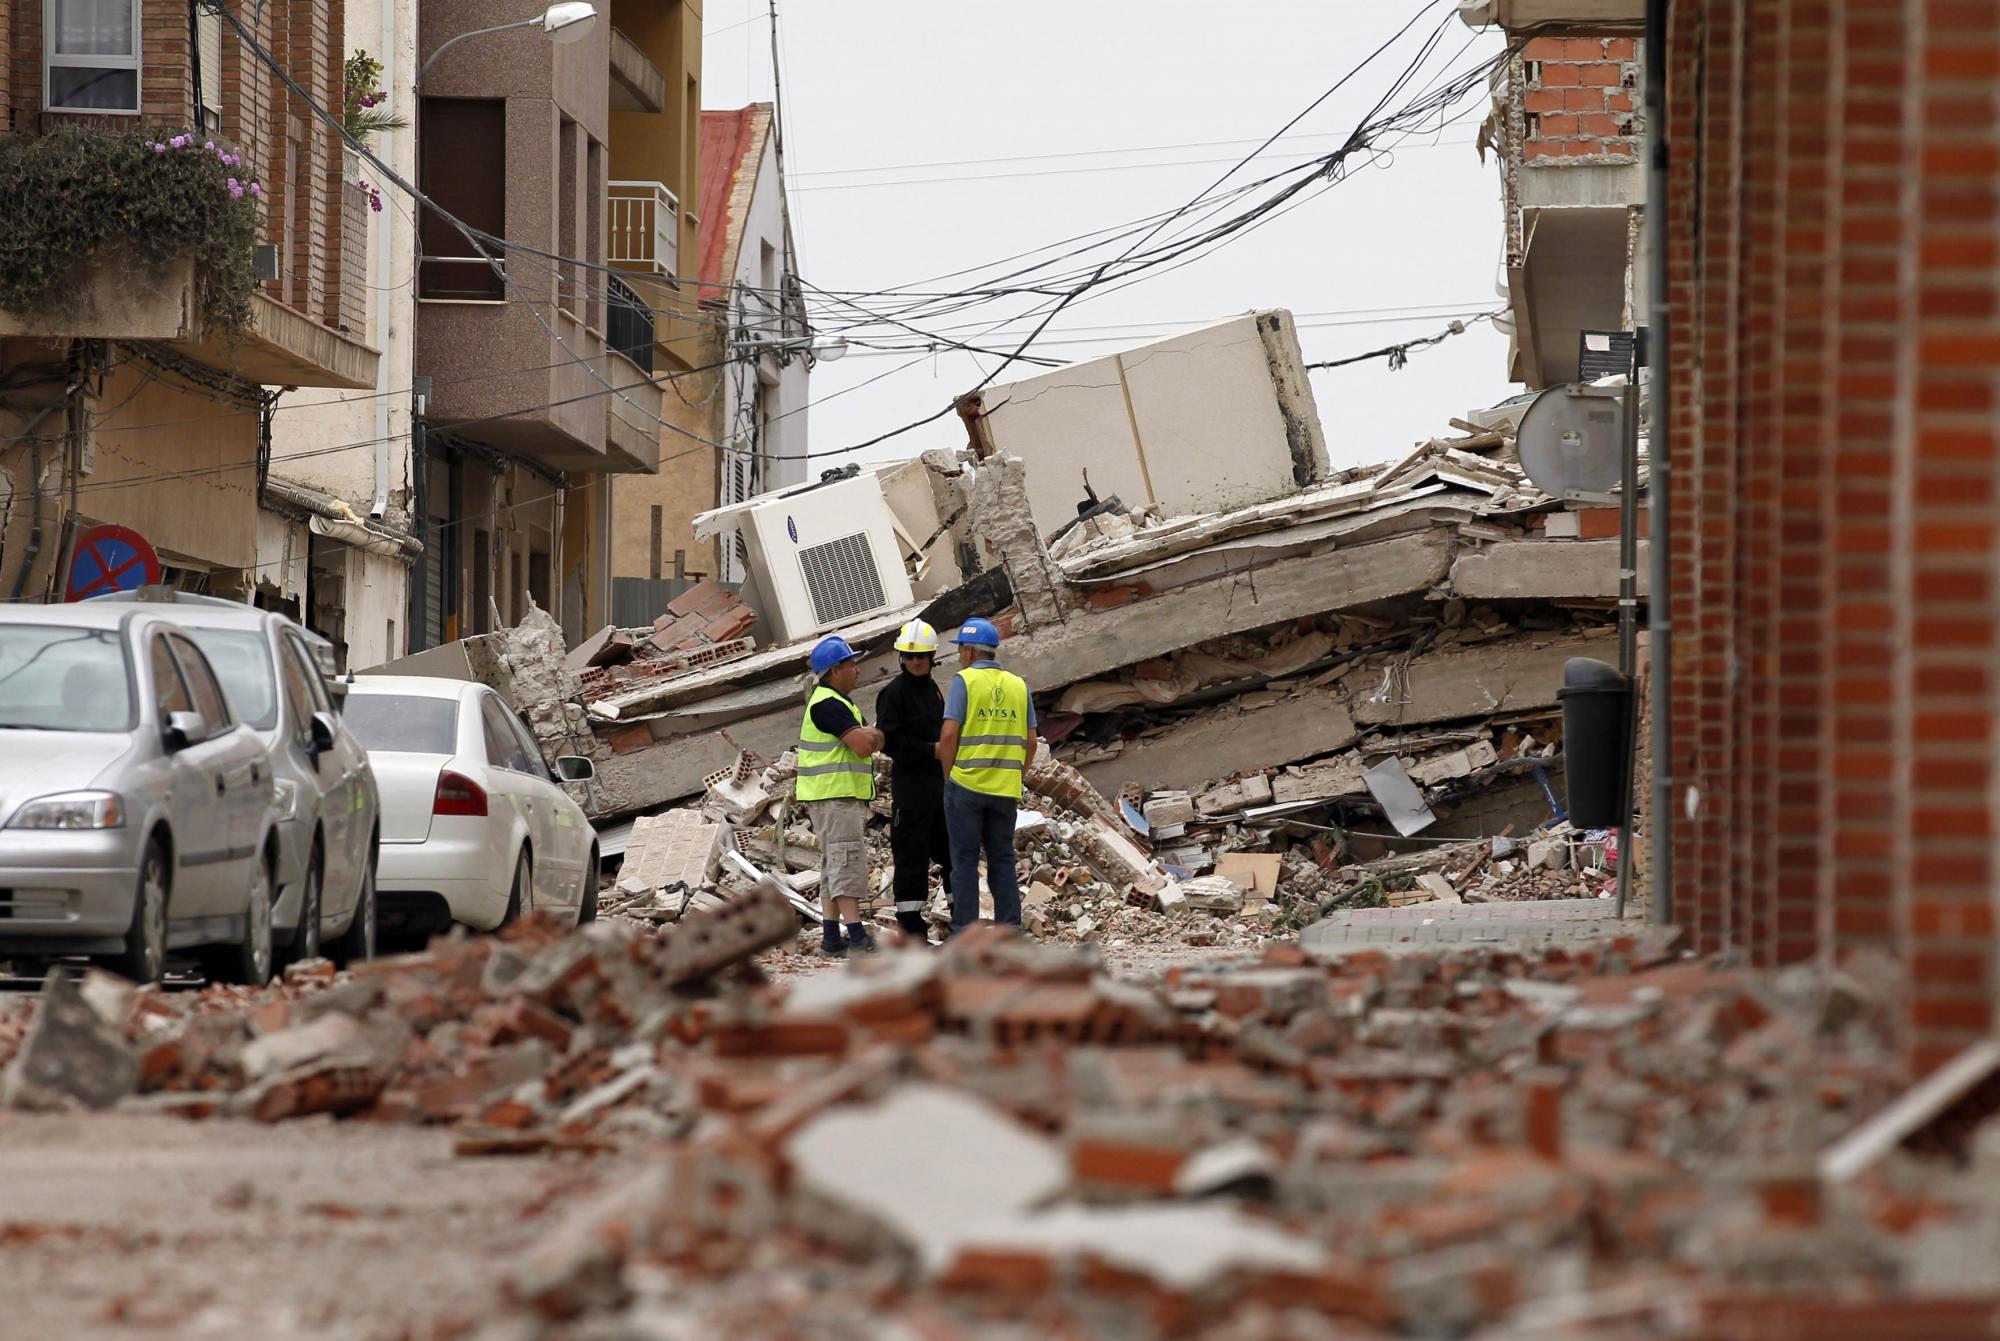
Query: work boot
x,y
859,941
829,938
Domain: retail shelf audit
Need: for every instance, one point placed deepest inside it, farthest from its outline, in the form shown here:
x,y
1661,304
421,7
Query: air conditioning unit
x,y
824,556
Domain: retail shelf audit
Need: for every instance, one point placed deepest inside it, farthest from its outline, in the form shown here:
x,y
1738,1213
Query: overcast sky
x,y
886,102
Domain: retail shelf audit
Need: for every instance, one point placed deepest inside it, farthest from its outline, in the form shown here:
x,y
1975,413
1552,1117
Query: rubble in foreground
x,y
1578,1143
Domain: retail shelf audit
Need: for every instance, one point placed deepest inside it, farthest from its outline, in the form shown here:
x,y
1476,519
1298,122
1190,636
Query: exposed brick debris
x,y
1562,1142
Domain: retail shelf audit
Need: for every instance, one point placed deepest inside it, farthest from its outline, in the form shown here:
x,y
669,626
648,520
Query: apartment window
x,y
465,172
93,55
208,50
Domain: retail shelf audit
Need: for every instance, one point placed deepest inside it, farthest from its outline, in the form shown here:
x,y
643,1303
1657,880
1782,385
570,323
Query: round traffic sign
x,y
111,558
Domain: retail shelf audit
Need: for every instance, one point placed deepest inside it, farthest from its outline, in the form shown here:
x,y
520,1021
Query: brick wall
x,y
1834,274
326,265
1580,96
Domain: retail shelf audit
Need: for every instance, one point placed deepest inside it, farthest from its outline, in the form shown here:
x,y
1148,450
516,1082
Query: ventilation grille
x,y
1603,354
841,579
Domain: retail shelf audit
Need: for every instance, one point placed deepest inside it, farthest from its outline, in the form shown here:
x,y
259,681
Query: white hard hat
x,y
917,639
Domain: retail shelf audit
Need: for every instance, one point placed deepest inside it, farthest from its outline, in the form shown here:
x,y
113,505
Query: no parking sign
x,y
108,559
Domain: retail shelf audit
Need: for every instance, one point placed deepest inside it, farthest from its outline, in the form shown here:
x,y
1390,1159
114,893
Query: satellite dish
x,y
1571,440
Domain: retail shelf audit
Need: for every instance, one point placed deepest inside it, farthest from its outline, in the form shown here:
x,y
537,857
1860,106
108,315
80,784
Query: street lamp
x,y
568,22
830,349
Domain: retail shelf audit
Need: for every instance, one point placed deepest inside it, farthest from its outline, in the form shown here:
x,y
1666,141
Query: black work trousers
x,y
917,838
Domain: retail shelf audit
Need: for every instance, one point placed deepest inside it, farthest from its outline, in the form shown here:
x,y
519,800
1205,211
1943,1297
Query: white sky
x,y
872,86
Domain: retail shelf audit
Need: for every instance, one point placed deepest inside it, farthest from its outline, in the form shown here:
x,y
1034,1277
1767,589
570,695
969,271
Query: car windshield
x,y
63,679
403,723
242,661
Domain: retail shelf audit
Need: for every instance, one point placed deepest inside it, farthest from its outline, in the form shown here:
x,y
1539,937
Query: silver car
x,y
328,812
138,814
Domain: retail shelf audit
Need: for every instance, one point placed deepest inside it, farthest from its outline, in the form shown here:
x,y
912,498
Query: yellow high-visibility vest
x,y
993,739
828,770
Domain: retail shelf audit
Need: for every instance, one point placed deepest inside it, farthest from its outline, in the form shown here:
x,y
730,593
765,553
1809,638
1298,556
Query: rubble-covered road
x,y
614,1133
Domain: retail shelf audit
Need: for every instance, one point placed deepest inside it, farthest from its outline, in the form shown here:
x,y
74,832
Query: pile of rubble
x,y
704,626
1557,1143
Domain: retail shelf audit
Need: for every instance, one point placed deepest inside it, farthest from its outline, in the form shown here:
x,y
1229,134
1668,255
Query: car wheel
x,y
250,963
144,959
586,910
358,941
305,942
520,899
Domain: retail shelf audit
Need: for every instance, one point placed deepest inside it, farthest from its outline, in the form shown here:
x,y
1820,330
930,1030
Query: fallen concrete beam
x,y
1547,570
1510,676
1093,641
1214,745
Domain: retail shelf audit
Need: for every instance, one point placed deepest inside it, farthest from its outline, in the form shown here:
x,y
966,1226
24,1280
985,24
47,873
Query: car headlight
x,y
288,797
71,810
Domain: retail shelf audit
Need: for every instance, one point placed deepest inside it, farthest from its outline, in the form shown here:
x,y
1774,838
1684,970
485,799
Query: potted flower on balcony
x,y
365,116
125,234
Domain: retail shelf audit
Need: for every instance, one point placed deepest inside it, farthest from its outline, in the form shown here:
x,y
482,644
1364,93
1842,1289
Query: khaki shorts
x,y
841,827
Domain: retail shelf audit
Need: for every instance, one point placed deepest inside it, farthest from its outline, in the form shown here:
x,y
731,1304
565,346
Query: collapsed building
x,y
1369,655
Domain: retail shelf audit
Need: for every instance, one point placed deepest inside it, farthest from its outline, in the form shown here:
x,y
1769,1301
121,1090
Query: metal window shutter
x,y
208,28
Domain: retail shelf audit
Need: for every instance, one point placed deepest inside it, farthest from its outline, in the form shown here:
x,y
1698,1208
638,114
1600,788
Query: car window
x,y
63,679
536,766
298,690
315,675
503,747
241,659
168,686
403,723
202,684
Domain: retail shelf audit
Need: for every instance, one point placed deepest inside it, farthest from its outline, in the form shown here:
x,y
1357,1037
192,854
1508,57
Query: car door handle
x,y
221,784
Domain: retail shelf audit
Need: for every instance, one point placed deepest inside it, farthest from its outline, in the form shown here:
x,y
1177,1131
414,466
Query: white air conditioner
x,y
823,555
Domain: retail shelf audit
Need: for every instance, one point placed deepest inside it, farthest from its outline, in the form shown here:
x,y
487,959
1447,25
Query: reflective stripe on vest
x,y
993,740
828,770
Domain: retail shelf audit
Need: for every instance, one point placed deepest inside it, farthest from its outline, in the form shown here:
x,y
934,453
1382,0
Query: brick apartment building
x,y
126,404
1834,252
1832,230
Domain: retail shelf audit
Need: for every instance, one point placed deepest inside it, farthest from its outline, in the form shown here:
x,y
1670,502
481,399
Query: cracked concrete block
x,y
71,1057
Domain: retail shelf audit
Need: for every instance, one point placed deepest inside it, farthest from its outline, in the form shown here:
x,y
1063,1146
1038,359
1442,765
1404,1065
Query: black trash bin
x,y
1597,743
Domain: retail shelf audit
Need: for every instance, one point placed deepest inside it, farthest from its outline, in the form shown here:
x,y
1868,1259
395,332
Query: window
x,y
202,685
93,55
314,671
402,723
533,763
168,687
503,746
242,660
298,692
208,50
465,172
62,679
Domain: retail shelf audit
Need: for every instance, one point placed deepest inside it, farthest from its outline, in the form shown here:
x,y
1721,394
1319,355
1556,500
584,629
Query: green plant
x,y
364,96
78,192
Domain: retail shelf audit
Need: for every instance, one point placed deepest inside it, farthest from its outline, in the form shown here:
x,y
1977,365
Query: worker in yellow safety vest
x,y
986,745
836,782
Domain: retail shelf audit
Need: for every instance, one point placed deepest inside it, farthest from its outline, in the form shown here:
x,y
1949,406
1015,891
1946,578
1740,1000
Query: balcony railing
x,y
628,323
645,227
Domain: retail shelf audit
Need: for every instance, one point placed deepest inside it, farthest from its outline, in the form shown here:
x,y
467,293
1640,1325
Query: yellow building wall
x,y
666,147
689,483
176,467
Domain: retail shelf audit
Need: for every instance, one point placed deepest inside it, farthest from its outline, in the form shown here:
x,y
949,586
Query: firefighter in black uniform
x,y
910,712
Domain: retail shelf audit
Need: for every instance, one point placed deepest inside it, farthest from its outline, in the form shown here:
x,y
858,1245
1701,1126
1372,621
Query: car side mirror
x,y
575,768
323,731
185,729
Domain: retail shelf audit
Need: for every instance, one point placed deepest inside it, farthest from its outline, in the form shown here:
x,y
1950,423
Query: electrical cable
x,y
1399,354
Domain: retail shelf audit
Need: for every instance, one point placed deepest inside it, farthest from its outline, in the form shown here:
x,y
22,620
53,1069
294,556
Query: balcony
x,y
645,226
628,324
1566,17
636,83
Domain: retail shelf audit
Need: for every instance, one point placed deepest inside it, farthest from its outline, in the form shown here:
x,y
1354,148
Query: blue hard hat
x,y
831,652
978,633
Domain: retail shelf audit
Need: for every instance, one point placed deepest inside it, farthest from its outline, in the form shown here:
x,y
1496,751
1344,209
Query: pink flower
x,y
179,141
210,146
256,190
159,148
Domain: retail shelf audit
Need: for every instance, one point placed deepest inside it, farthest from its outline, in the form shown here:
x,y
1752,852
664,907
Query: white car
x,y
475,828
